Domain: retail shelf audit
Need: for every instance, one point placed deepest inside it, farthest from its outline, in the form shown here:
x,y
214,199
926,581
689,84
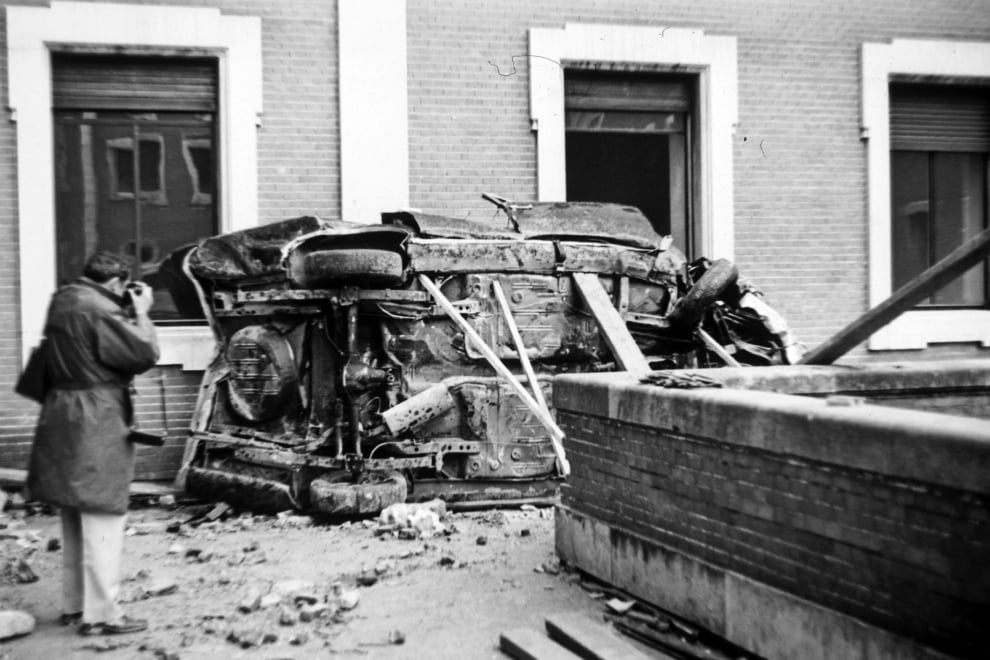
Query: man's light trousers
x,y
93,544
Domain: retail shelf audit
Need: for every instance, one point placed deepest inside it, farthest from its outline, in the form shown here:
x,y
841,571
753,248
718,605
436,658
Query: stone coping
x,y
945,450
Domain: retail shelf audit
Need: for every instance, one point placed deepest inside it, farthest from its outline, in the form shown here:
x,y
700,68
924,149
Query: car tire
x,y
344,498
690,309
367,266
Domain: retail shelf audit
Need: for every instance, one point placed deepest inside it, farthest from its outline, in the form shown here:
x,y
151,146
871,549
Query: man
x,y
81,459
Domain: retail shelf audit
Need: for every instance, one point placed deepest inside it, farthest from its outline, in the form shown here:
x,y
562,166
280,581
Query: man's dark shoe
x,y
121,626
68,619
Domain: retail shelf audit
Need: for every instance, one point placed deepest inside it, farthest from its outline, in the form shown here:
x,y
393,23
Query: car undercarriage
x,y
362,365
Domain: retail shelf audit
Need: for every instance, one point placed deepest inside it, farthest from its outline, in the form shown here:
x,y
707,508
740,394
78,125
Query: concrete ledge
x,y
940,449
758,617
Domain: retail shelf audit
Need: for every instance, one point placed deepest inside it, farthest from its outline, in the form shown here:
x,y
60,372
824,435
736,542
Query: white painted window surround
x,y
949,59
374,116
713,58
32,32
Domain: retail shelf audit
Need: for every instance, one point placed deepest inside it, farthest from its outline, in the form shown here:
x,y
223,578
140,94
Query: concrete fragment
x,y
161,588
14,623
619,606
270,600
299,639
176,549
348,599
287,617
290,588
423,517
145,528
25,574
251,602
167,501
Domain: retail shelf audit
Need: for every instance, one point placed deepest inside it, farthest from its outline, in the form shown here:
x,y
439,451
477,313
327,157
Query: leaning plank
x,y
527,644
590,639
952,266
617,336
556,435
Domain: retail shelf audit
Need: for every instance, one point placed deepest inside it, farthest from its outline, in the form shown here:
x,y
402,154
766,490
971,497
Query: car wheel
x,y
689,310
367,266
344,498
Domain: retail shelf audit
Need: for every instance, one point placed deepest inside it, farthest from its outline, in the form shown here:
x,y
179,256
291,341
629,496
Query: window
x,y
33,34
708,62
893,73
151,168
198,154
940,139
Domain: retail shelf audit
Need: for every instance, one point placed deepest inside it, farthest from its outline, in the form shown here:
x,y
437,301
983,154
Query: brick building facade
x,y
344,109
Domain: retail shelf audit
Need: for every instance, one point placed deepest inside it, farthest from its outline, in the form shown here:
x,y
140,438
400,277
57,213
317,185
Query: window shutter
x,y
137,83
599,90
932,117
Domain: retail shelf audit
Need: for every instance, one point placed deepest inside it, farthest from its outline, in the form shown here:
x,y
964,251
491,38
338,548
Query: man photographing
x,y
98,339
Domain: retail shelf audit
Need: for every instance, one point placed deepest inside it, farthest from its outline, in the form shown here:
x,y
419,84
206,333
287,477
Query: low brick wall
x,y
793,527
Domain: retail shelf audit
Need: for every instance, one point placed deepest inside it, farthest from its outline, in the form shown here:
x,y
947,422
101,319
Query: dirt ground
x,y
448,596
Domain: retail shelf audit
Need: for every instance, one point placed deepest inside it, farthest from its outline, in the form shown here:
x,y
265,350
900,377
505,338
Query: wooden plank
x,y
517,339
527,644
945,271
556,435
590,639
617,336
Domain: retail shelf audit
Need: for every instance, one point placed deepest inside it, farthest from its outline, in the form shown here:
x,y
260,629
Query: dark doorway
x,y
628,141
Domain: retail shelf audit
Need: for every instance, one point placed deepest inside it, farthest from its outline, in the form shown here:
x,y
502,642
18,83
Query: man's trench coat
x,y
81,457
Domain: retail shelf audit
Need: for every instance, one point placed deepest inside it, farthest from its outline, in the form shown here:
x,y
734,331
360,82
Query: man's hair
x,y
104,266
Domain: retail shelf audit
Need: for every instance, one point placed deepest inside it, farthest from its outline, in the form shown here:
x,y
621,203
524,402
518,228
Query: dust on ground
x,y
286,587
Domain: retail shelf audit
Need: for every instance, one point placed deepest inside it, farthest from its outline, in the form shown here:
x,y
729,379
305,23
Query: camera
x,y
132,289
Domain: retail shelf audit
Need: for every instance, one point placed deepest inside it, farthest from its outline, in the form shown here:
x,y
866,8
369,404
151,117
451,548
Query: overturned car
x,y
362,365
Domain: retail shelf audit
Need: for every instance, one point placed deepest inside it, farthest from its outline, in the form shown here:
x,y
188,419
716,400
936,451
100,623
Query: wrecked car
x,y
362,365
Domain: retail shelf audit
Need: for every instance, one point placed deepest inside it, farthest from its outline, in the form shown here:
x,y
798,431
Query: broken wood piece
x,y
662,641
624,348
527,644
716,348
945,271
590,639
556,435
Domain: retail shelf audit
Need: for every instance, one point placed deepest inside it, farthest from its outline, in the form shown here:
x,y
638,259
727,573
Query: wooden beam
x,y
945,271
520,346
624,348
527,644
590,639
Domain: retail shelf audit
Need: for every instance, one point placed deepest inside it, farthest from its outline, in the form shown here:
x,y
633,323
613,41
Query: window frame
x,y
684,50
33,33
881,63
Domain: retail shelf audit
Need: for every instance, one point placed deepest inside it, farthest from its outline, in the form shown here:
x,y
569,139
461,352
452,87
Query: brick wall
x,y
800,169
799,163
775,489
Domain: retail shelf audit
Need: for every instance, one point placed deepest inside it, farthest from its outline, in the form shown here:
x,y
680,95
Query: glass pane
x,y
640,122
151,158
959,190
202,158
909,216
124,162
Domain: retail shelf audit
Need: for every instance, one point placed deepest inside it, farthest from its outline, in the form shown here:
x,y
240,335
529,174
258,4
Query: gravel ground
x,y
237,587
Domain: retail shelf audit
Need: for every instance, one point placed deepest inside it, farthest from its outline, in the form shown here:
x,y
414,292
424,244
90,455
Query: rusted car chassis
x,y
361,365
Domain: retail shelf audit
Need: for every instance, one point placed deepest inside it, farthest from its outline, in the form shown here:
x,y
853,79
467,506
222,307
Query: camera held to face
x,y
132,289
